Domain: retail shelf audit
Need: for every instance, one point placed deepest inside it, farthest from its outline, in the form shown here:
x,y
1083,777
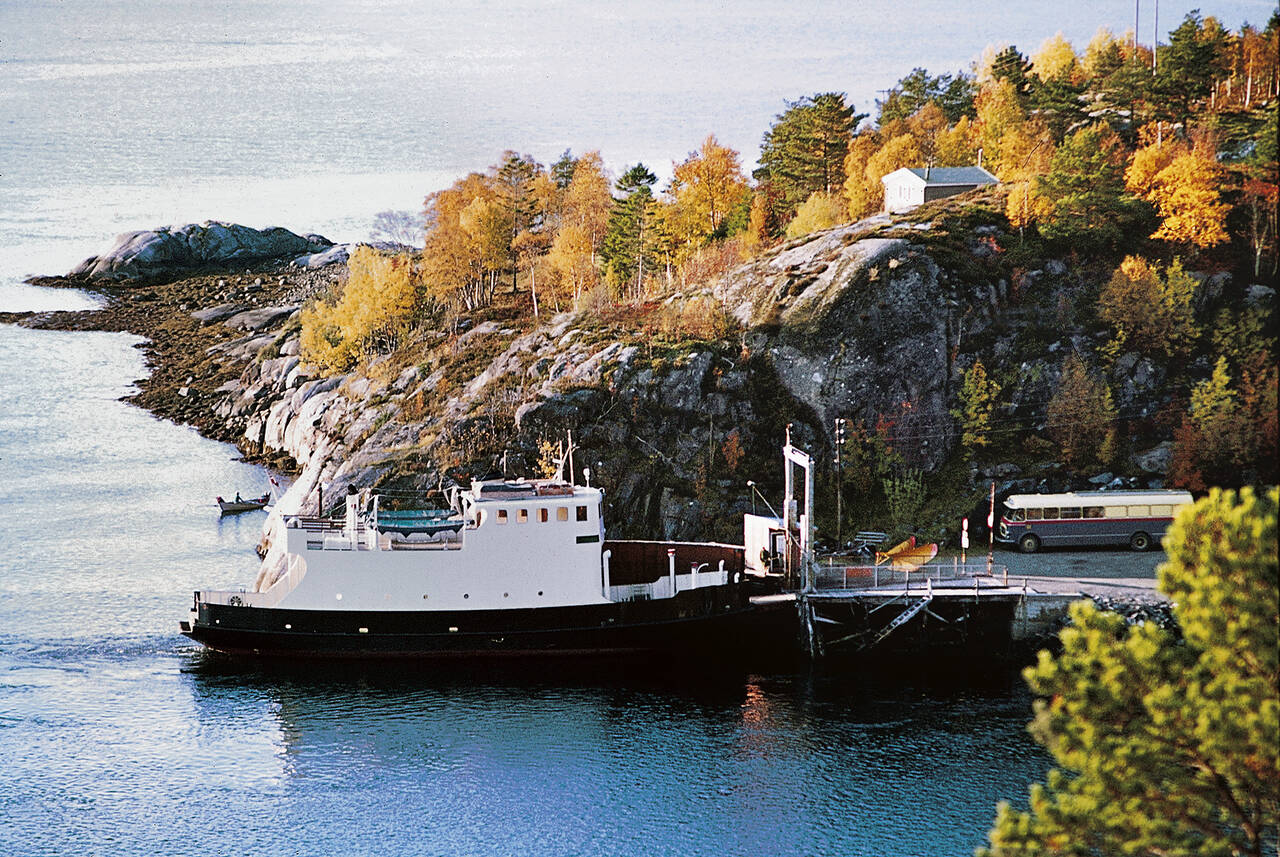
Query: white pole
x,y
1155,36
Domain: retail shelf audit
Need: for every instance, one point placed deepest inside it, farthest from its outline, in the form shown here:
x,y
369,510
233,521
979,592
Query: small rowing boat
x,y
238,505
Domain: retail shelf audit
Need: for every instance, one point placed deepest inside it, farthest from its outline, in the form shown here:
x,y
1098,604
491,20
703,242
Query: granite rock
x,y
171,251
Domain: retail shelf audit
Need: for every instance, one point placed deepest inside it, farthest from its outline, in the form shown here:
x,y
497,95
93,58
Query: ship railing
x,y
243,597
668,586
295,569
321,535
832,577
438,541
316,525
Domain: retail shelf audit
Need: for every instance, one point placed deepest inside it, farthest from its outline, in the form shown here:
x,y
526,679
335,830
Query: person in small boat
x,y
238,500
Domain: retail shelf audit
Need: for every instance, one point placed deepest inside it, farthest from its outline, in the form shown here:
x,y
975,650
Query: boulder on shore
x,y
173,251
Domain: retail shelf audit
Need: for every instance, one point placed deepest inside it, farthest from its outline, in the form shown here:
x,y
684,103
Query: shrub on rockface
x,y
371,316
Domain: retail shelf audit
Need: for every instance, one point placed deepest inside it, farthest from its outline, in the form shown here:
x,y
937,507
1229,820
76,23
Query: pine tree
x,y
1186,69
953,95
515,186
562,169
1012,66
624,251
803,152
1166,741
1085,187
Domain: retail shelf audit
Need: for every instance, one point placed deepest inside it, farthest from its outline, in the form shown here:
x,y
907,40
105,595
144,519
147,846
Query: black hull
x,y
715,620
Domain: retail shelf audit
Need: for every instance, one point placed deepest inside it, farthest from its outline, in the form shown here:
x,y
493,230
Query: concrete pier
x,y
945,605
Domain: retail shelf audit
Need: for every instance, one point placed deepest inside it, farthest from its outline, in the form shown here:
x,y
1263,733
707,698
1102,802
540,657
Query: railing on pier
x,y
834,577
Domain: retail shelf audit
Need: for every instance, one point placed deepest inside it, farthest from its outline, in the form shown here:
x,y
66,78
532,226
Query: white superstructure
x,y
503,546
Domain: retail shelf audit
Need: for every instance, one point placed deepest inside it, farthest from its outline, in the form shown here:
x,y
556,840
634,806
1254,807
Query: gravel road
x,y
1096,562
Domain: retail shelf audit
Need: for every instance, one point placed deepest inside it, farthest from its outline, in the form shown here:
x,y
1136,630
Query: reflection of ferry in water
x,y
512,568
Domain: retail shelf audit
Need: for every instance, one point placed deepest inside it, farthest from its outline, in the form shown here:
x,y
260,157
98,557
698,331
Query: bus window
x,y
1035,514
1161,511
1018,515
1116,511
1093,511
1139,511
1068,512
1049,514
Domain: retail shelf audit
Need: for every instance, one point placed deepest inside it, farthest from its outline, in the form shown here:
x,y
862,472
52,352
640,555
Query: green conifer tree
x,y
1165,741
803,152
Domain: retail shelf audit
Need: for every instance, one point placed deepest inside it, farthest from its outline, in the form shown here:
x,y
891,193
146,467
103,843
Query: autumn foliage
x,y
371,315
1081,416
1150,310
1127,169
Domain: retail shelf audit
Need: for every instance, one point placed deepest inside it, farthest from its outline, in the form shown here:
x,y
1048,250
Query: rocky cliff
x,y
873,322
846,323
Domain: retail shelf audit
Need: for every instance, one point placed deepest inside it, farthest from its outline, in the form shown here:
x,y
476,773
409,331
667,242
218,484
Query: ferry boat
x,y
511,567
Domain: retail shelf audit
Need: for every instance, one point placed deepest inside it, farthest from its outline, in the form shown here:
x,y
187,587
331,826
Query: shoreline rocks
x,y
173,251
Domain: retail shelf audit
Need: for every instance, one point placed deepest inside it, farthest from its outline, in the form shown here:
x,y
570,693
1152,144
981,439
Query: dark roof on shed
x,y
954,175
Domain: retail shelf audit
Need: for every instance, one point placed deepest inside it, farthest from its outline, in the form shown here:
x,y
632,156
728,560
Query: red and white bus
x,y
1134,518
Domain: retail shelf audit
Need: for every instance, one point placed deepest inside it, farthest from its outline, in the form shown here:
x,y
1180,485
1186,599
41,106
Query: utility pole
x,y
1155,36
991,530
840,425
1135,26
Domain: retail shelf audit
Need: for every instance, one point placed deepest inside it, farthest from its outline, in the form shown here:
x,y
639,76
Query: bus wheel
x,y
1140,542
1030,543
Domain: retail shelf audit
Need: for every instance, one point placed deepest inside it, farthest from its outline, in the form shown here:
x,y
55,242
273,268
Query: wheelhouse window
x,y
522,516
562,513
582,513
502,516
542,516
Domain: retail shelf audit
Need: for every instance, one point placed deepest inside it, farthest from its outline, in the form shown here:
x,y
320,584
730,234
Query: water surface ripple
x,y
120,737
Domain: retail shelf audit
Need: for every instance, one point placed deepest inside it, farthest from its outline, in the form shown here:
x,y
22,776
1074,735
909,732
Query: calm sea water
x,y
119,737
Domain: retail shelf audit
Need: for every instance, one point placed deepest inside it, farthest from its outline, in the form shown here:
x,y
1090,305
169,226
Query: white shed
x,y
908,187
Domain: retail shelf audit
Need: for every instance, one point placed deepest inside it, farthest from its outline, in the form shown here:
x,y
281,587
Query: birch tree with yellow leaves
x,y
705,188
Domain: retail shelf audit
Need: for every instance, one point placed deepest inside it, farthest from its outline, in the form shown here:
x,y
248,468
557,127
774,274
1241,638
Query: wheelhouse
x,y
1138,519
